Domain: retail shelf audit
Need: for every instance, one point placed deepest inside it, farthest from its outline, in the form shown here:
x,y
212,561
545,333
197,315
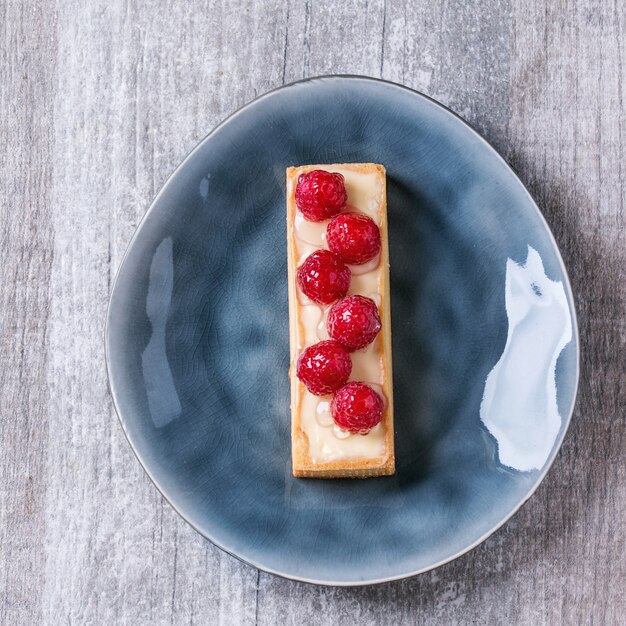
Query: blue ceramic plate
x,y
485,372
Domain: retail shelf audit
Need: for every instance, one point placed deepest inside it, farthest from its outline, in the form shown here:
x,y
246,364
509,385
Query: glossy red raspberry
x,y
357,408
324,367
320,195
354,237
324,277
353,321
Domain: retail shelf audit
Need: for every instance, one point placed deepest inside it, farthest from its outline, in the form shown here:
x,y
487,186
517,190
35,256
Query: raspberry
x,y
324,367
324,277
320,195
353,322
357,408
354,237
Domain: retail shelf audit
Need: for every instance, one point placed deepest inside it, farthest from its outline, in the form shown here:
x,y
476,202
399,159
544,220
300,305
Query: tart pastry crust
x,y
353,467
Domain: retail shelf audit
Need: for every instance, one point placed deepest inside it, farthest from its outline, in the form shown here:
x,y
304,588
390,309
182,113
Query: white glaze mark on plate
x,y
163,398
519,405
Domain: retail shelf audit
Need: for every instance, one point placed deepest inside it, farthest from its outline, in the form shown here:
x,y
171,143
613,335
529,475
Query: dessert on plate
x,y
339,321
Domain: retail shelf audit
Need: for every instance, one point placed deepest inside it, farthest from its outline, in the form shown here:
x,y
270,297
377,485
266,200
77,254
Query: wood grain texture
x,y
99,101
26,252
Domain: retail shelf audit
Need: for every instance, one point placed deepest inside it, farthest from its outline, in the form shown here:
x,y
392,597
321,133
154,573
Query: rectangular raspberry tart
x,y
339,321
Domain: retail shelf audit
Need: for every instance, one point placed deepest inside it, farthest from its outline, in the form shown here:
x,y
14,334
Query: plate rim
x,y
575,333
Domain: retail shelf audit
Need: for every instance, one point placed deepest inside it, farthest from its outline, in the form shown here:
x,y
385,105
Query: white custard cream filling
x,y
326,441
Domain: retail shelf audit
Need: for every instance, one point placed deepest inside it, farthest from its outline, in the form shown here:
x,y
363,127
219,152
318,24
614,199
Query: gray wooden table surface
x,y
99,101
